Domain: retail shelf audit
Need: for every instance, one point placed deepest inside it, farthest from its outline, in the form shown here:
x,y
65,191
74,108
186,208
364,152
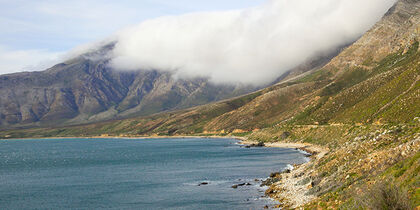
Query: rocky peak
x,y
396,32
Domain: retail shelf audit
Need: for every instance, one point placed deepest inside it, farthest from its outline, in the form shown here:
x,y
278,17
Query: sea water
x,y
136,173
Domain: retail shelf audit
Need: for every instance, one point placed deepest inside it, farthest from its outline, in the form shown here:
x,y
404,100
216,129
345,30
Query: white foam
x,y
289,167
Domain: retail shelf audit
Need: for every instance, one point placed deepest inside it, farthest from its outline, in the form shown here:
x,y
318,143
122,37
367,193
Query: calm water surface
x,y
135,174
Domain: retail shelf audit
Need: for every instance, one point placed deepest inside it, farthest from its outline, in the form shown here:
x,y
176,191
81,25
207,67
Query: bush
x,y
385,195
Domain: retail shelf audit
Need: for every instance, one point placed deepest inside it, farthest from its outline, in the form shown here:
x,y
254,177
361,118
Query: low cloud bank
x,y
252,46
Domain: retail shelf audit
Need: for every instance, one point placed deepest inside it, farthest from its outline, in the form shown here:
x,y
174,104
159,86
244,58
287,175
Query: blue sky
x,y
34,33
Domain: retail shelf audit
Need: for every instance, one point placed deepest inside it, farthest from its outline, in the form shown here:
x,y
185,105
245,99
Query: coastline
x,y
132,137
291,190
316,151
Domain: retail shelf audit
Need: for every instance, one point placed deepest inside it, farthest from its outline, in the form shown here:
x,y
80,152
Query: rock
x,y
270,181
275,174
203,183
313,190
299,175
270,191
315,182
259,144
266,207
240,185
304,181
285,135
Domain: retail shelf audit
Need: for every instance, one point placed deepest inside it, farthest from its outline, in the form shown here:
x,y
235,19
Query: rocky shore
x,y
291,186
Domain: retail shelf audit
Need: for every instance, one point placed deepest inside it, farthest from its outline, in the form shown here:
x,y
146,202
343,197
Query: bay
x,y
136,173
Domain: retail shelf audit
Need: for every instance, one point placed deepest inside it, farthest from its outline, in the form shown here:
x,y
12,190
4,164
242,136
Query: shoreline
x,y
132,137
287,191
316,151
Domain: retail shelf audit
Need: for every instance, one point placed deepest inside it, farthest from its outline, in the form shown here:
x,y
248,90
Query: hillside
x,y
364,106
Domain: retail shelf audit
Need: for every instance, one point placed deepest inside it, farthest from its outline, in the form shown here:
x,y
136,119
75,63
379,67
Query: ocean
x,y
136,173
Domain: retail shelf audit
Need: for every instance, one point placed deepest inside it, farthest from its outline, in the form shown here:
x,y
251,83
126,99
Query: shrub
x,y
384,195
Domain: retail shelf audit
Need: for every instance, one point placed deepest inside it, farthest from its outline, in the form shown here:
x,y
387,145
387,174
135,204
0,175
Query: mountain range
x,y
85,90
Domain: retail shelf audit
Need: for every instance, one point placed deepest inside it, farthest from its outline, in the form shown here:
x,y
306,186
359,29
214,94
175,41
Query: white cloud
x,y
26,60
59,25
250,46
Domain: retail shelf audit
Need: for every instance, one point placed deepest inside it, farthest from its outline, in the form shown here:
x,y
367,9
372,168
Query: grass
x,y
349,78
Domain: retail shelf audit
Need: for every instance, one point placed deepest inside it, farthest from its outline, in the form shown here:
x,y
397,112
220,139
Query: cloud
x,y
12,61
62,24
43,27
254,45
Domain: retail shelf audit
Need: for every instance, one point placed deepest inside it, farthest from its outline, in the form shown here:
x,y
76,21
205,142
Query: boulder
x,y
203,183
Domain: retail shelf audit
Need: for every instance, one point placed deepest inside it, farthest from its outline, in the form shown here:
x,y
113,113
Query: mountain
x,y
373,80
86,90
363,107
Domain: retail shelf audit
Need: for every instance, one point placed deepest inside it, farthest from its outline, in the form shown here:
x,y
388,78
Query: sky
x,y
229,41
36,33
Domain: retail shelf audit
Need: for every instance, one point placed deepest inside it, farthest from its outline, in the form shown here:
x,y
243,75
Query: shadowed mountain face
x,y
86,90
